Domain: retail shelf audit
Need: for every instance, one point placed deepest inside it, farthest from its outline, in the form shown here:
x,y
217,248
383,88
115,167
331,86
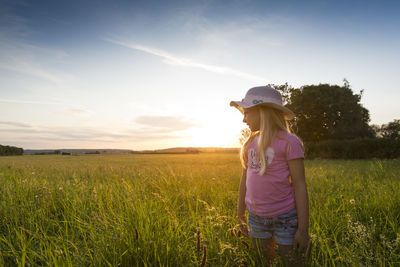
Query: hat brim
x,y
289,115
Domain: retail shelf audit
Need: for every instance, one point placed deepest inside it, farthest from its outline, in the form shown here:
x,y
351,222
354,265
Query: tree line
x,y
10,151
332,123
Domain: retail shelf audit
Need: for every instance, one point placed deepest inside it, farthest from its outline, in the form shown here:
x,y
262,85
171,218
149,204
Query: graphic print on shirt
x,y
255,163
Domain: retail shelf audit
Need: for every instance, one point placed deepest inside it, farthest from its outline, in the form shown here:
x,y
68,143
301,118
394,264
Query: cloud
x,y
169,123
12,25
41,136
24,58
16,124
18,55
80,111
185,62
15,101
25,66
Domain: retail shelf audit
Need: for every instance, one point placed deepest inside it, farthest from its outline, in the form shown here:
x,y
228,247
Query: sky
x,y
157,74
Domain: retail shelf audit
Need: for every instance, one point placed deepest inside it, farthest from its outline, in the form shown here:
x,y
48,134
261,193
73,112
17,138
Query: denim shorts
x,y
282,227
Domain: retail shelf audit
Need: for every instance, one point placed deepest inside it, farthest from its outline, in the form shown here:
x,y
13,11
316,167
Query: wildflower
x,y
352,201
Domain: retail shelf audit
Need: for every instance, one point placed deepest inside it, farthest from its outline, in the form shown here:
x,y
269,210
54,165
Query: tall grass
x,y
169,210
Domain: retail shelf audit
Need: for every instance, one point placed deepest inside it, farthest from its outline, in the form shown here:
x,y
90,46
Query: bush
x,y
354,149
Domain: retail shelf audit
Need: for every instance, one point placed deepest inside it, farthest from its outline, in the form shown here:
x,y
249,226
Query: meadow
x,y
179,210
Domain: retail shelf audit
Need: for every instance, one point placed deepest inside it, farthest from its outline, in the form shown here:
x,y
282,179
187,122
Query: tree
x,y
325,112
244,135
390,130
285,90
10,151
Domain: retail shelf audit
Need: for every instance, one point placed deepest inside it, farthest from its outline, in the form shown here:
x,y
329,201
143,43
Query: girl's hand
x,y
243,226
302,242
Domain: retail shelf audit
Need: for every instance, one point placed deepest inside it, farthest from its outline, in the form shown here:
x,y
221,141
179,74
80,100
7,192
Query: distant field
x,y
149,210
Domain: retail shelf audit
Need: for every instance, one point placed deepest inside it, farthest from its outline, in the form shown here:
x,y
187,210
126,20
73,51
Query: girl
x,y
273,183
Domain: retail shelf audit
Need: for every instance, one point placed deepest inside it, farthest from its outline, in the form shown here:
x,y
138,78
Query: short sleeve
x,y
294,148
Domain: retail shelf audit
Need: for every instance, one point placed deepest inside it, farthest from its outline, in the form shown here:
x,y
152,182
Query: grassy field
x,y
179,210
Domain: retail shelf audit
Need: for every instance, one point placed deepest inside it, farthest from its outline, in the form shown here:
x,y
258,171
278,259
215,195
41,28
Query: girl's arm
x,y
296,167
241,207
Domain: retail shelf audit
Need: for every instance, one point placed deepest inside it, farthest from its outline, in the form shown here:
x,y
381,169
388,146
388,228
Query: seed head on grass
x,y
245,244
198,240
235,232
136,234
204,258
95,193
110,194
232,231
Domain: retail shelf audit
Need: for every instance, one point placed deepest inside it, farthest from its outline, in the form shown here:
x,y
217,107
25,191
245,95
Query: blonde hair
x,y
271,122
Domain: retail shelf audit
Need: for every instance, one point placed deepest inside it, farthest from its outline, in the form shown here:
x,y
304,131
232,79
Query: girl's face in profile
x,y
252,118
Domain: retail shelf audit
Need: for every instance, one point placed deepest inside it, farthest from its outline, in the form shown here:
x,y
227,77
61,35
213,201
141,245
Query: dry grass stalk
x,y
127,185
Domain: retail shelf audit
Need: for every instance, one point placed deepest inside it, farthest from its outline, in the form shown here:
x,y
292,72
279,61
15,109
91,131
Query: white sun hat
x,y
263,96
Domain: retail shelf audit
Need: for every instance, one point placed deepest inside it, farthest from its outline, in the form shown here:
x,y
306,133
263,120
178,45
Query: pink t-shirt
x,y
271,194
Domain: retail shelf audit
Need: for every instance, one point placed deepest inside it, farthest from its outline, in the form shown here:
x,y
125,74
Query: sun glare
x,y
210,137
